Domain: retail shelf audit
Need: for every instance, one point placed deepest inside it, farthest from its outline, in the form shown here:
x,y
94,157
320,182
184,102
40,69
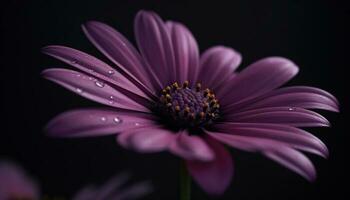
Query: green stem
x,y
185,183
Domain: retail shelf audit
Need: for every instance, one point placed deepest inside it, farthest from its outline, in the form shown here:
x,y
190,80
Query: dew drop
x,y
137,124
110,72
117,120
103,119
291,109
99,84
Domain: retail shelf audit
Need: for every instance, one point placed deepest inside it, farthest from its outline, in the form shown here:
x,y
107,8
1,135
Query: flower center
x,y
184,106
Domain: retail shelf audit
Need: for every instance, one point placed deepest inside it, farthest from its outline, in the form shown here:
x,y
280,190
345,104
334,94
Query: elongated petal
x,y
257,79
215,176
298,117
120,51
95,122
217,64
147,139
99,69
95,67
186,52
191,147
291,136
279,152
295,96
155,46
92,88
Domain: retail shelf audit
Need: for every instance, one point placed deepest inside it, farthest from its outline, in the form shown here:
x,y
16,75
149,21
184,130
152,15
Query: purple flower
x,y
114,190
167,97
15,184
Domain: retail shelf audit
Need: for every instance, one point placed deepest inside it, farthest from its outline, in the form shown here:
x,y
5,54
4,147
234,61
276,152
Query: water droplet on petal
x,y
124,44
110,72
99,84
103,119
291,109
79,90
78,75
117,120
137,124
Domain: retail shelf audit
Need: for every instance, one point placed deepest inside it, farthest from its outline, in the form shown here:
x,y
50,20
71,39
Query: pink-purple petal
x,y
191,147
120,51
294,96
186,52
95,122
159,138
215,176
217,64
291,136
95,67
279,152
92,88
149,141
257,79
155,45
297,117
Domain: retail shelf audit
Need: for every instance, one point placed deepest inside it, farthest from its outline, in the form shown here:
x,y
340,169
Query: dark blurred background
x,y
314,34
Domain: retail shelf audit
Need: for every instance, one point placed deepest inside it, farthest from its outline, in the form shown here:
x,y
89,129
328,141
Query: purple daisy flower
x,y
165,96
114,190
15,184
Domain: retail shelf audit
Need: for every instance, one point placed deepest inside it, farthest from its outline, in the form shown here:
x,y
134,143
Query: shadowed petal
x,y
291,136
217,64
147,139
297,117
95,67
120,51
186,52
214,176
257,79
95,122
191,147
92,88
155,46
279,152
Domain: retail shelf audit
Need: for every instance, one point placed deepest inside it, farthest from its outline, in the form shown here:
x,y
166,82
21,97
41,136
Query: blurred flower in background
x,y
15,184
115,189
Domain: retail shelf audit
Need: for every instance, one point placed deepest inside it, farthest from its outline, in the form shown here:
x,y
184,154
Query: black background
x,y
314,34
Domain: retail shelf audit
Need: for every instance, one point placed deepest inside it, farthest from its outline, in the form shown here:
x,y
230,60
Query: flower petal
x,y
95,122
279,152
95,67
297,117
217,64
295,96
92,88
191,147
155,46
146,139
214,176
186,52
120,51
257,79
291,136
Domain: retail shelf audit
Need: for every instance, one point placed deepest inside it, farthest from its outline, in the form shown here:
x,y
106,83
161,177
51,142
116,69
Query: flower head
x,y
165,96
15,184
